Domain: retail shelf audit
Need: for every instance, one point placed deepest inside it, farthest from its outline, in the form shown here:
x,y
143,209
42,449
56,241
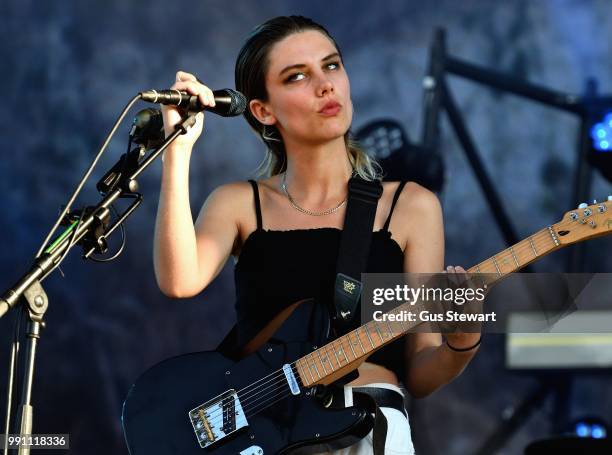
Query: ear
x,y
261,112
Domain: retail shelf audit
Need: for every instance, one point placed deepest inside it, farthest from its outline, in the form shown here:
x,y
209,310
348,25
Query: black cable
x,y
121,247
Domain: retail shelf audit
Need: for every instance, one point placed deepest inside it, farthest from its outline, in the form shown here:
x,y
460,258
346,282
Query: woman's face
x,y
308,89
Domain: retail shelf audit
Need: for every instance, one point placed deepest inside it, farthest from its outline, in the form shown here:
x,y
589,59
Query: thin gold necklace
x,y
306,211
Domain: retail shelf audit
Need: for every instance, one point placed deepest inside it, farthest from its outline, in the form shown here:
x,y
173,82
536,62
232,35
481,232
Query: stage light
x,y
582,430
600,132
590,427
598,432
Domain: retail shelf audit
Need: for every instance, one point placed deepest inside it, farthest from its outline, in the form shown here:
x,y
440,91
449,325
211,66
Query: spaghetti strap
x,y
257,203
395,197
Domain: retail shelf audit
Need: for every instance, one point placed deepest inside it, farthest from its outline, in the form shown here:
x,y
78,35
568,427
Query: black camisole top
x,y
278,268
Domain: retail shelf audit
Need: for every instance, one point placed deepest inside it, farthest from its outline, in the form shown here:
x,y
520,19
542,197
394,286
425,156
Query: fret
x,y
535,253
518,266
496,266
336,354
316,370
315,367
482,281
390,329
343,352
382,340
359,339
351,345
326,358
367,331
310,372
321,359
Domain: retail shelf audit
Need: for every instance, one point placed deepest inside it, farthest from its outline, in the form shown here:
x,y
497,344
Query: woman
x,y
288,224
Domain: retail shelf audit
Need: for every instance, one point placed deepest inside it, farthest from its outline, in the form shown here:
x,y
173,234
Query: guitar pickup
x,y
290,376
217,418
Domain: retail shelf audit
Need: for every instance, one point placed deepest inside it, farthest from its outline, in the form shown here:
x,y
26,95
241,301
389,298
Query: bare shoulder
x,y
415,198
417,215
232,192
229,200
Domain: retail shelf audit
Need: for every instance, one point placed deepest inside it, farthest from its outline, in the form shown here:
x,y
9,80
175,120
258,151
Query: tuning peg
x,y
583,205
610,197
594,201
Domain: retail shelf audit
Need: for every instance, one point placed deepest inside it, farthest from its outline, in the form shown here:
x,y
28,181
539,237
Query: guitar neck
x,y
518,255
337,358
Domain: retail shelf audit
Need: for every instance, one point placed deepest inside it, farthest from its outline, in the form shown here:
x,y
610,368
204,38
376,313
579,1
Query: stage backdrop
x,y
68,68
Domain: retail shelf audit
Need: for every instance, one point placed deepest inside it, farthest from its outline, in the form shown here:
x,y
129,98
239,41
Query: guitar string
x,y
256,409
537,241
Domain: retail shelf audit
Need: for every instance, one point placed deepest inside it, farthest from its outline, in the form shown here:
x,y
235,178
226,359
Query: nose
x,y
325,87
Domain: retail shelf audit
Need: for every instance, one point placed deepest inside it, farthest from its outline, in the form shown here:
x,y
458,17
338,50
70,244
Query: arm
x,y
187,257
429,363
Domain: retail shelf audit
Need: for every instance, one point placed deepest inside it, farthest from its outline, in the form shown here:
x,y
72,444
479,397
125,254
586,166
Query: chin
x,y
335,129
333,135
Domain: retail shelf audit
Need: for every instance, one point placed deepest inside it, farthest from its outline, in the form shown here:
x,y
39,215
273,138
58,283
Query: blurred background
x,y
69,68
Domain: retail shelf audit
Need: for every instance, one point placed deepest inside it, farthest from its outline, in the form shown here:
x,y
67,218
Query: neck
x,y
317,175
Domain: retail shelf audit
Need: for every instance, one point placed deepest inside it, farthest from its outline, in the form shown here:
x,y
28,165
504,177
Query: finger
x,y
453,275
191,87
463,277
185,76
203,93
210,95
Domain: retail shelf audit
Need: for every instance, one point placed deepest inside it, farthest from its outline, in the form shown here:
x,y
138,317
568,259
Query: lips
x,y
330,108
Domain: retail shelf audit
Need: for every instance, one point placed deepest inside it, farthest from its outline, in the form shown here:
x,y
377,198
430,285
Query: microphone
x,y
229,103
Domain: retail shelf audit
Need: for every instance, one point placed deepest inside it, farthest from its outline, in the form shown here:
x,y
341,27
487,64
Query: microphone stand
x,y
90,230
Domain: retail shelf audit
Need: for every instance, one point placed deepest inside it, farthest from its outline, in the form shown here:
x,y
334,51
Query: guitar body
x,y
159,406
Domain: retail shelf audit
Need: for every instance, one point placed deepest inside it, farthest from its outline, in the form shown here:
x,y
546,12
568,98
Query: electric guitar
x,y
266,403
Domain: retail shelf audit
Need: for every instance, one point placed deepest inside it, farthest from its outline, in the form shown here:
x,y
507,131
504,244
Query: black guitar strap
x,y
379,430
354,250
353,255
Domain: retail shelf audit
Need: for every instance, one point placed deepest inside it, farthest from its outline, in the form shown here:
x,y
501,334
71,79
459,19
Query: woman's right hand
x,y
186,82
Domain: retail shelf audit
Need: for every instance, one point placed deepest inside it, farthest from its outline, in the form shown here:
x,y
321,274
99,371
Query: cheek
x,y
349,101
292,107
344,87
349,111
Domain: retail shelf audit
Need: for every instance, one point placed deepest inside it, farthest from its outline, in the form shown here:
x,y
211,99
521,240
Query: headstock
x,y
585,222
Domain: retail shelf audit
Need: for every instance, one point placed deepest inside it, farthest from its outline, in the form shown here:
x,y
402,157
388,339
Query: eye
x,y
333,65
295,77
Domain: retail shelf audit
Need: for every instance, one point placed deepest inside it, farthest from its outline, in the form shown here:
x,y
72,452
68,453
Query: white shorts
x,y
399,438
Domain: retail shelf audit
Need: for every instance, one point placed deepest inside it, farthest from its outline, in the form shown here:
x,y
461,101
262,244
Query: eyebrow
x,y
301,65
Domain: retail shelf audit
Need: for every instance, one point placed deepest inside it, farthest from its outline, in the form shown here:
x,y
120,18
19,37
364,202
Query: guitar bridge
x,y
217,418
